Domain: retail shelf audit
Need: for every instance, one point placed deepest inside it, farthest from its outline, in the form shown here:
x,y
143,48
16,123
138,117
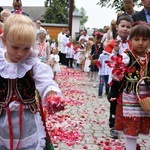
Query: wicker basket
x,y
144,102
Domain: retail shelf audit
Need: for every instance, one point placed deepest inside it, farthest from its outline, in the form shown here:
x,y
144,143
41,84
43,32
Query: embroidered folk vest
x,y
130,80
23,88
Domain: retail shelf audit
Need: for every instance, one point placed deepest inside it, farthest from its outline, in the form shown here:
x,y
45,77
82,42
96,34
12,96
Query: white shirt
x,y
59,39
104,69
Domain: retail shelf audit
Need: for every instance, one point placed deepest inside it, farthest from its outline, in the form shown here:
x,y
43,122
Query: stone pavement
x,y
91,118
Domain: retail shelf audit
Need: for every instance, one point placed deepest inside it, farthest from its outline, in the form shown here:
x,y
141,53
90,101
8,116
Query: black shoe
x,y
113,133
99,96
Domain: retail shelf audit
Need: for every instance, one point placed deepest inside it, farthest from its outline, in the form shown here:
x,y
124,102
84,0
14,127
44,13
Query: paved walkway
x,y
85,121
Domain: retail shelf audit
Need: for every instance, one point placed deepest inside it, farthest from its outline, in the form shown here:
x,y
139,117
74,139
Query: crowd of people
x,y
119,56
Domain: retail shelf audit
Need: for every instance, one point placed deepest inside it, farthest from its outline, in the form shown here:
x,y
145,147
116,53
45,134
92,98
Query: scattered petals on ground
x,y
83,114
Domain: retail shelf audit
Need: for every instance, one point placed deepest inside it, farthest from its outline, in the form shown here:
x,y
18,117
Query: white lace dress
x,y
32,133
56,67
87,62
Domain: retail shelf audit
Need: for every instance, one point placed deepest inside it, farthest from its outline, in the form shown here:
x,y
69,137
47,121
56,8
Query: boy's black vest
x,y
23,88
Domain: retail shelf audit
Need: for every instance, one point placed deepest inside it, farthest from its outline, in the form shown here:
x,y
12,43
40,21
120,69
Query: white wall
x,y
75,25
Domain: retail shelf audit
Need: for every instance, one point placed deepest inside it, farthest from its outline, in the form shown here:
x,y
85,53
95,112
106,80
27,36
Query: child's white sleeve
x,y
126,58
43,77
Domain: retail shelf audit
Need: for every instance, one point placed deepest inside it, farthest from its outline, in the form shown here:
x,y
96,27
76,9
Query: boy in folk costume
x,y
122,42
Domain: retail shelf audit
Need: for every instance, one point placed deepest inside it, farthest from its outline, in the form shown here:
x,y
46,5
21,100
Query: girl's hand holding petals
x,y
54,103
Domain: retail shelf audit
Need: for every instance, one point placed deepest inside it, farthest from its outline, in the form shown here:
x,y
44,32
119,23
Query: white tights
x,y
94,77
130,143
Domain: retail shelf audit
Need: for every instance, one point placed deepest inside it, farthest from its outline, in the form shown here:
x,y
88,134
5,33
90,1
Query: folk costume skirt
x,y
130,118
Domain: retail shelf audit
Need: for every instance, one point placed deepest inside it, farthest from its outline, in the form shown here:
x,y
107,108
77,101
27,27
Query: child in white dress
x,y
81,54
54,61
21,73
87,59
53,44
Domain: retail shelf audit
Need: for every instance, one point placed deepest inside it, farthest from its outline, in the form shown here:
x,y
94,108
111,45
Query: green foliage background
x,y
116,4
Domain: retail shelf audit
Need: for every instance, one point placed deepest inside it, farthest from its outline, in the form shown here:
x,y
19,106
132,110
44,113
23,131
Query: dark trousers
x,y
103,81
114,93
60,57
69,62
63,59
112,113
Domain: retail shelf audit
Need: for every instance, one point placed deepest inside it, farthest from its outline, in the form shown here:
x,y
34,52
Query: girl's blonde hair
x,y
89,46
112,24
19,29
5,13
1,24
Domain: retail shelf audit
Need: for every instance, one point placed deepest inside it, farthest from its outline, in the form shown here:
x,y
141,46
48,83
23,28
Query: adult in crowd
x,y
85,36
38,26
128,6
94,32
144,14
59,39
48,38
111,33
80,34
105,29
65,40
17,5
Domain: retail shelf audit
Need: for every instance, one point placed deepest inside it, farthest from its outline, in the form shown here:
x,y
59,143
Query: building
x,y
36,13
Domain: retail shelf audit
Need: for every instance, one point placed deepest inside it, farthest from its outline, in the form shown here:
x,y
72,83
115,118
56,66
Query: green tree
x,y
116,4
84,18
57,11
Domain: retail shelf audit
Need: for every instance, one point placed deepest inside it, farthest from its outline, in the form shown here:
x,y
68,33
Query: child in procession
x,y
123,27
54,61
43,47
131,117
21,73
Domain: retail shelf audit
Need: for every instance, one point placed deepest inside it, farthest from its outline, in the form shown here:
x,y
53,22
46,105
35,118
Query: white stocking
x,y
130,143
95,77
